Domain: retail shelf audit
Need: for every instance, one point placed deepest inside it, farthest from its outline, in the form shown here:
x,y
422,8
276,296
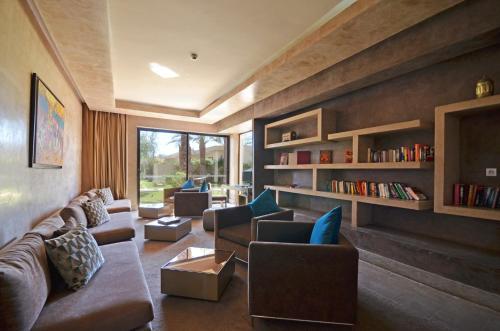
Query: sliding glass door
x,y
166,159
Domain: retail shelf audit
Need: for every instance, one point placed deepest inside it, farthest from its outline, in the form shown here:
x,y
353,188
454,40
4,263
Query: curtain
x,y
104,151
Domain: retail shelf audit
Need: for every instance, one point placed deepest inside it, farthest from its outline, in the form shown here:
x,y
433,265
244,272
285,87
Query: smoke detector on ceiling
x,y
194,56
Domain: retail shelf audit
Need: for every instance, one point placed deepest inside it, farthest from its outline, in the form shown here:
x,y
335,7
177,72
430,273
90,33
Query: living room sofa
x,y
119,228
33,295
236,227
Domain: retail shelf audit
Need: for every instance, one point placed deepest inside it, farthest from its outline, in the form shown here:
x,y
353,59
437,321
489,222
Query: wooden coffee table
x,y
172,232
200,273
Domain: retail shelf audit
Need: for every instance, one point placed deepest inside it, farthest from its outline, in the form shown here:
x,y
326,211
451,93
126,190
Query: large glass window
x,y
246,158
167,159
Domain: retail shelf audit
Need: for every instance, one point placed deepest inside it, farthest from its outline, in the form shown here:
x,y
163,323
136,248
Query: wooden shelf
x,y
311,128
398,203
354,166
450,141
382,129
485,213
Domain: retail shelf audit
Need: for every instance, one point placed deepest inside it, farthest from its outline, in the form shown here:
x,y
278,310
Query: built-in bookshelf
x,y
311,127
359,142
467,142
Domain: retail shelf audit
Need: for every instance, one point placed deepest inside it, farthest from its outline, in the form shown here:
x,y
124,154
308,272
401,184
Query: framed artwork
x,y
46,126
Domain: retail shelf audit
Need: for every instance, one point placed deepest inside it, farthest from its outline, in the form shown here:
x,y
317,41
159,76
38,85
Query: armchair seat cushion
x,y
237,233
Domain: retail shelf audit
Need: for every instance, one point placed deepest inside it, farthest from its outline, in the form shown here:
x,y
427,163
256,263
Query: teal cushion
x,y
188,184
204,186
327,227
264,204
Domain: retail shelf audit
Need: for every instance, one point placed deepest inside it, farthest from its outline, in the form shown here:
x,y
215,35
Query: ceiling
x,y
248,50
232,40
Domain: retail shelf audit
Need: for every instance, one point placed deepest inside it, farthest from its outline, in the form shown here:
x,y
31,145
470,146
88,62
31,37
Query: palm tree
x,y
181,141
202,141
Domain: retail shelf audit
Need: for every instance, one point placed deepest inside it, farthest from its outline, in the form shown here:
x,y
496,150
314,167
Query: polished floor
x,y
386,301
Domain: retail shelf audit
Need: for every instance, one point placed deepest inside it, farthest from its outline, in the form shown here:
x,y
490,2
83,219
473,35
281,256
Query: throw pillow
x,y
327,227
188,184
264,204
106,195
76,256
96,212
204,186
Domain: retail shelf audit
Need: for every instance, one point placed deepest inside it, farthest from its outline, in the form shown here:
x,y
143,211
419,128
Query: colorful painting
x,y
47,127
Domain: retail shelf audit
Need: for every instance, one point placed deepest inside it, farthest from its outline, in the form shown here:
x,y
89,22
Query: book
x,y
283,158
325,156
474,195
292,158
303,157
169,220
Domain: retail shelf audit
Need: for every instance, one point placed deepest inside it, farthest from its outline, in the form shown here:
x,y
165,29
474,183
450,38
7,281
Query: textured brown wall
x,y
135,122
27,194
413,96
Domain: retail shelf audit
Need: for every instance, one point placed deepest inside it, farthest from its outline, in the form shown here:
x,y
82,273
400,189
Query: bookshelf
x,y
467,141
359,141
311,128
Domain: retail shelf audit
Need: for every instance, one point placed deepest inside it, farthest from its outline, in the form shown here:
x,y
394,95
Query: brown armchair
x,y
191,203
235,228
324,284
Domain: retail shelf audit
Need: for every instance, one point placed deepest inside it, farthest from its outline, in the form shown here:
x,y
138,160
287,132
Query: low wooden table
x,y
201,273
155,210
172,232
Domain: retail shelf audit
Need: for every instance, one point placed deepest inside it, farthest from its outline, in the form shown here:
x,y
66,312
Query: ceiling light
x,y
162,71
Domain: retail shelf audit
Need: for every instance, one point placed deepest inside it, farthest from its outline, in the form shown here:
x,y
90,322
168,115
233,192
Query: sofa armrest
x,y
286,232
283,215
323,286
227,217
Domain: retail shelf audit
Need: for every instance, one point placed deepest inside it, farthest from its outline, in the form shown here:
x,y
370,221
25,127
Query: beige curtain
x,y
104,151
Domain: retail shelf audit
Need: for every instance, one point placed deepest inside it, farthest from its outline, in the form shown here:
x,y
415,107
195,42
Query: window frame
x,y
187,133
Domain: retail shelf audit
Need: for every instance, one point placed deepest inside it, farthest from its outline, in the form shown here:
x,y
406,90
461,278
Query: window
x,y
246,158
166,159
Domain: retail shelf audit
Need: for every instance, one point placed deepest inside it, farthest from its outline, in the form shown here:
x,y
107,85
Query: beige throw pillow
x,y
96,212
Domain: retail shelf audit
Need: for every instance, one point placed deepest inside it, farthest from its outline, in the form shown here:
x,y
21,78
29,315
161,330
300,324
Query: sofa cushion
x,y
91,194
76,256
264,204
96,212
119,206
105,195
327,227
188,184
76,211
80,199
119,228
116,298
25,282
237,233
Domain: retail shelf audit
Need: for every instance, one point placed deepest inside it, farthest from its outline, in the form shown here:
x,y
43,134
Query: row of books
x,y
472,195
382,190
403,154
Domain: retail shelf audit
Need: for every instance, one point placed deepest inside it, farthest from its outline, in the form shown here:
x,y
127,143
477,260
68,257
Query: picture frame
x,y
46,149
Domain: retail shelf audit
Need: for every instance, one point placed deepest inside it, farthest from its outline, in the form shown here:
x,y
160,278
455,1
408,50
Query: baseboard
x,y
452,287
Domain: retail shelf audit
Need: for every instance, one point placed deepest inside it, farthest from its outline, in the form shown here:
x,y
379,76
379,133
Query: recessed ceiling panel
x,y
231,38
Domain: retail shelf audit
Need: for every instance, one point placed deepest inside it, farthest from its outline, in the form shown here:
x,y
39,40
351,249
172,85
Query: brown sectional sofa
x,y
119,228
33,296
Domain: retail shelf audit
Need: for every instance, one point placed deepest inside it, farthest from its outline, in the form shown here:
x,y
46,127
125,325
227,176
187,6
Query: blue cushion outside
x,y
327,227
188,184
204,186
264,204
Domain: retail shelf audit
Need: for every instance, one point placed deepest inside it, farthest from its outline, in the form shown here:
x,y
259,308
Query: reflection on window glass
x,y
246,158
167,159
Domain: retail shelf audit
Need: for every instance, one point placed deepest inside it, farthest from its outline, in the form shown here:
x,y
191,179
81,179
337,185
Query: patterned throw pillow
x,y
96,212
76,256
106,195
